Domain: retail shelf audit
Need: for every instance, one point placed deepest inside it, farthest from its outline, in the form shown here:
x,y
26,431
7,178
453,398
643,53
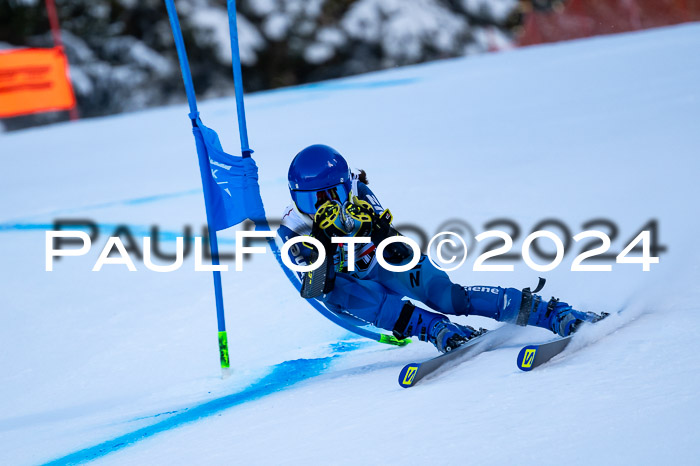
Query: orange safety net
x,y
585,18
34,80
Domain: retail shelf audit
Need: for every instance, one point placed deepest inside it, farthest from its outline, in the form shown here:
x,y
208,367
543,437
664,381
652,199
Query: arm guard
x,y
395,253
322,280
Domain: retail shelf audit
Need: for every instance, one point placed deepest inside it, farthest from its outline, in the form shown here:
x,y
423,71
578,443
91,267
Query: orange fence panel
x,y
34,80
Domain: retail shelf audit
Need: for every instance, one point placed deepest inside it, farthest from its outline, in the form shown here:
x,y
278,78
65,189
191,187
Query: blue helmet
x,y
316,175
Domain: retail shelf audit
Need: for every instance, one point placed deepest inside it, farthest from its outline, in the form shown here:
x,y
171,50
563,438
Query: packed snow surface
x,y
122,367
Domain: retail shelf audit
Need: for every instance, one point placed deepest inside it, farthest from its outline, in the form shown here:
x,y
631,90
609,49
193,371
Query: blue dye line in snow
x,y
283,376
305,92
137,231
26,226
337,86
344,86
122,202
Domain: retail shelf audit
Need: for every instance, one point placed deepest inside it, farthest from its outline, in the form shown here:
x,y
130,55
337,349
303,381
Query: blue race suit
x,y
375,295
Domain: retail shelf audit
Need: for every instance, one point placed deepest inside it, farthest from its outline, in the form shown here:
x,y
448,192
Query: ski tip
x,y
407,377
526,357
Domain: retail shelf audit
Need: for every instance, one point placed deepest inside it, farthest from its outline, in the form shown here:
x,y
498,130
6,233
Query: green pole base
x,y
392,340
223,350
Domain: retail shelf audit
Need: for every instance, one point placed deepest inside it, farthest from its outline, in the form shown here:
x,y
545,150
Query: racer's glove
x,y
360,219
354,218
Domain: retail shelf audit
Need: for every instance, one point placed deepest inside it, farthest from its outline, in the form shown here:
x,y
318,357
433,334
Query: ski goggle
x,y
309,201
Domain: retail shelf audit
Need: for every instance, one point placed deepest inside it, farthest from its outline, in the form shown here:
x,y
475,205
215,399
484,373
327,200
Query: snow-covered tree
x,y
122,54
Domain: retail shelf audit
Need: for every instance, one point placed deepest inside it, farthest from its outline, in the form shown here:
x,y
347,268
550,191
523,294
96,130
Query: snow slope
x,y
121,367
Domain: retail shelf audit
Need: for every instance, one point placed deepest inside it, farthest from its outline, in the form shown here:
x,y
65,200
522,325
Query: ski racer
x,y
328,200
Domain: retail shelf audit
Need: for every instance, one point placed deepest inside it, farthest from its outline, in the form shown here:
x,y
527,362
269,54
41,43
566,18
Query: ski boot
x,y
433,327
525,308
446,335
560,317
563,320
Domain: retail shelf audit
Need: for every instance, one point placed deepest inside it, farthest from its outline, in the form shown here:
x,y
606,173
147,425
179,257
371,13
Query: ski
x,y
412,373
532,356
